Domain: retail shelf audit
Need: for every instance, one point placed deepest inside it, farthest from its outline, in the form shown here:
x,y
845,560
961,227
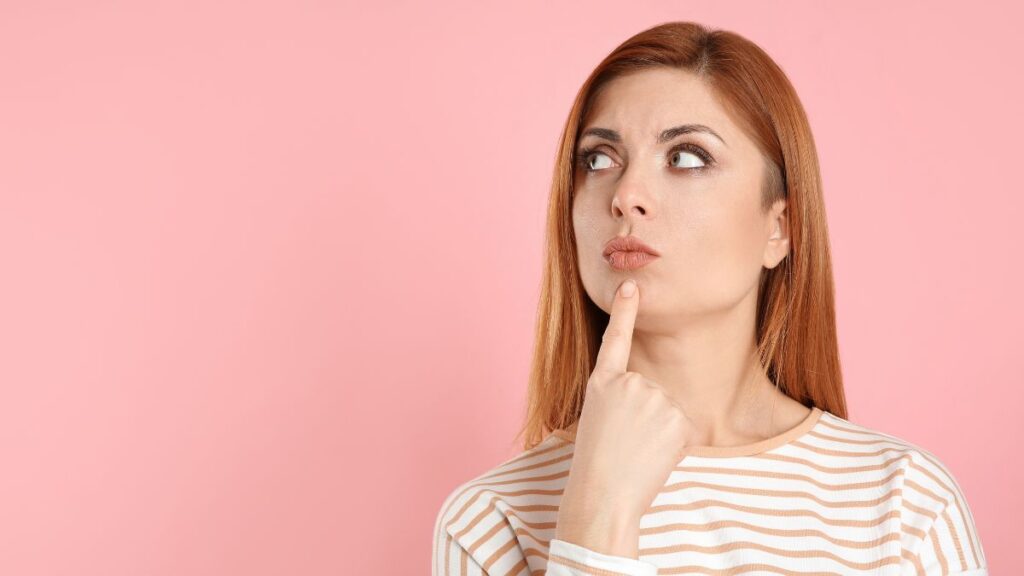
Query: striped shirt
x,y
825,497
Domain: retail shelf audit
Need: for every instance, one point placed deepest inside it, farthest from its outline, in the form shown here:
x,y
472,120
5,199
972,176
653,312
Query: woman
x,y
686,411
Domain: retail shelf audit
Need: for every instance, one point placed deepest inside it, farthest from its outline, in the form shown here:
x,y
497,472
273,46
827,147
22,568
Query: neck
x,y
709,367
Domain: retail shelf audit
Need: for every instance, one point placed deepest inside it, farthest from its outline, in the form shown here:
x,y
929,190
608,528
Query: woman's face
x,y
693,197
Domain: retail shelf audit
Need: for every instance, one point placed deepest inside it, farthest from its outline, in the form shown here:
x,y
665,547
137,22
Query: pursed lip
x,y
627,244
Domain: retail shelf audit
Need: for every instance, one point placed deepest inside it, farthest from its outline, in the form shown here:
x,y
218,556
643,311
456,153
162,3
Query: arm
x,y
564,559
495,548
602,541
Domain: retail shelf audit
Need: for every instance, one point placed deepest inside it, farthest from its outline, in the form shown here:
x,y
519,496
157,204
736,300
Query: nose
x,y
631,198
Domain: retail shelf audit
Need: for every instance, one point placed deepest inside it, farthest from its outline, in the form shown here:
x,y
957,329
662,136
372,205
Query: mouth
x,y
628,253
629,259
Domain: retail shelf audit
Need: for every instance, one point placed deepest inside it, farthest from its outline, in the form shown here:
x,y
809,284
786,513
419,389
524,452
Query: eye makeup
x,y
583,154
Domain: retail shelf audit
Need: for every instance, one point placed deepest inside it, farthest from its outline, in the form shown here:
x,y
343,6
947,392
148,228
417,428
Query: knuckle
x,y
633,378
611,334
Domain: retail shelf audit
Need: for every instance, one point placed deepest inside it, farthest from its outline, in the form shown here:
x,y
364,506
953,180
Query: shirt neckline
x,y
740,450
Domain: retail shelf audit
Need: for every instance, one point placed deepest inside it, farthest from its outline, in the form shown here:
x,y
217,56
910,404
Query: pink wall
x,y
270,269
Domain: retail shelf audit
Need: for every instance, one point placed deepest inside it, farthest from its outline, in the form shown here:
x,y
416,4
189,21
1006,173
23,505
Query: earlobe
x,y
778,242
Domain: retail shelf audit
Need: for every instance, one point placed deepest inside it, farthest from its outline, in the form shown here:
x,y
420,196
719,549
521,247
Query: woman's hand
x,y
629,437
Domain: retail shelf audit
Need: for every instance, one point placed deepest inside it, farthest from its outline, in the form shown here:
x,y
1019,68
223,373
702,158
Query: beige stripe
x,y
447,547
784,494
938,550
530,551
525,508
924,490
553,476
913,559
522,469
535,525
922,511
834,452
934,462
956,500
519,567
481,484
498,554
524,533
770,512
830,423
682,528
956,539
919,488
497,528
954,533
476,483
784,533
760,446
537,450
484,538
533,507
841,440
794,476
913,530
833,469
476,520
741,569
765,512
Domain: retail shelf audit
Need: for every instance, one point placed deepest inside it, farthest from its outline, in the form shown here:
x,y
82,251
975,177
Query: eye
x,y
690,154
585,156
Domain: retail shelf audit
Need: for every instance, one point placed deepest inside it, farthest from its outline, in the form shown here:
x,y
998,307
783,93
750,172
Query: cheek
x,y
587,235
725,251
592,228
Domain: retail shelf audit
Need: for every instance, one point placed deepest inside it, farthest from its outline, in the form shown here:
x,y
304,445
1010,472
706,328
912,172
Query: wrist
x,y
612,532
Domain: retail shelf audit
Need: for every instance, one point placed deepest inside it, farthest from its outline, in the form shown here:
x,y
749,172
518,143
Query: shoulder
x,y
482,514
931,505
921,470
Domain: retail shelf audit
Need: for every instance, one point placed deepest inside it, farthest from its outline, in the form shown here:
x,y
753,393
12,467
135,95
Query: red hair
x,y
796,330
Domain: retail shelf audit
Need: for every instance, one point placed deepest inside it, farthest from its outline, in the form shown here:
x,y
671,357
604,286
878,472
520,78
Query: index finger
x,y
613,356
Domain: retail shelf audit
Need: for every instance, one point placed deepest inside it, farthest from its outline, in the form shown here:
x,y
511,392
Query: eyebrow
x,y
665,136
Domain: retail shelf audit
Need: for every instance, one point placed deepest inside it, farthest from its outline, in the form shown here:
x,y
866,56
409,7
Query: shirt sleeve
x,y
942,551
568,559
472,537
948,544
451,559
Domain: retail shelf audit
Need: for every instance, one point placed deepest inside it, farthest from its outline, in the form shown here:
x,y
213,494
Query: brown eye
x,y
691,153
586,157
689,159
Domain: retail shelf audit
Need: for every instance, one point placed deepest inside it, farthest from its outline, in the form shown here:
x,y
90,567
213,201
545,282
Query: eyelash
x,y
584,155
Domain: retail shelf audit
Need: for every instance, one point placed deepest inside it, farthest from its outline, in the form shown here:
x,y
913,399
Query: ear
x,y
777,246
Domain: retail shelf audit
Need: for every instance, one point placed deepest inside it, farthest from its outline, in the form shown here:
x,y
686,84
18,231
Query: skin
x,y
680,366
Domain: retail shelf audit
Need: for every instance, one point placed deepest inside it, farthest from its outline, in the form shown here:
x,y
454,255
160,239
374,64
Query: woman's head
x,y
659,158
736,215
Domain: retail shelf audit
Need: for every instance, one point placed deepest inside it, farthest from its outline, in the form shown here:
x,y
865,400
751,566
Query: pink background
x,y
270,269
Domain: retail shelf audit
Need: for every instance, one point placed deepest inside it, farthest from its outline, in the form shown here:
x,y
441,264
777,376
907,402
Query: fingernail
x,y
628,288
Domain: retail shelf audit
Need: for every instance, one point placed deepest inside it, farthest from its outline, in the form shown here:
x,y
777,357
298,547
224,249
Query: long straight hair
x,y
796,331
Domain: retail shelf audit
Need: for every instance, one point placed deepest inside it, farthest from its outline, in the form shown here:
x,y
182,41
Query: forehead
x,y
641,104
